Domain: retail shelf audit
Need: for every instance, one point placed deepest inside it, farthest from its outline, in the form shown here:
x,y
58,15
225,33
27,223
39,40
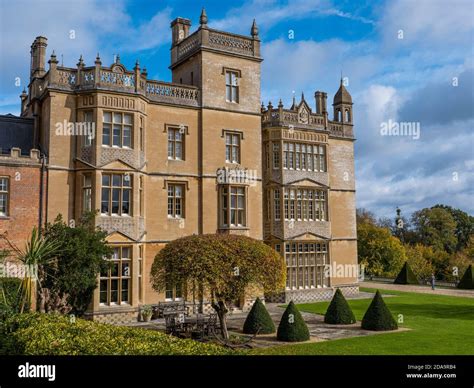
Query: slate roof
x,y
16,132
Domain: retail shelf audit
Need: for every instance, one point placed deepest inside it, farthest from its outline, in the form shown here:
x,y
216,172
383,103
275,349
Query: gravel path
x,y
420,289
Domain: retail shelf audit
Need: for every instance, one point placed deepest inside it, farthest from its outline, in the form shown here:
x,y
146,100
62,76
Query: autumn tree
x,y
222,265
381,253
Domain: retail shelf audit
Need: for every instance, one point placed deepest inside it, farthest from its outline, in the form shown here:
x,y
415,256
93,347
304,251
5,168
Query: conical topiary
x,y
378,317
467,281
258,320
406,275
292,327
339,311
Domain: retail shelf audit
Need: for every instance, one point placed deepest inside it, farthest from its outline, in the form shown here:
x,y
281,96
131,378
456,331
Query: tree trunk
x,y
221,310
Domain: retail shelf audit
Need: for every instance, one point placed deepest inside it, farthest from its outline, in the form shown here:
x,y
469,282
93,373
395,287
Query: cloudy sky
x,y
405,61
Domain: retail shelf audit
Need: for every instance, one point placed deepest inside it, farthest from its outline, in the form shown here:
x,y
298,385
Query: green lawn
x,y
439,325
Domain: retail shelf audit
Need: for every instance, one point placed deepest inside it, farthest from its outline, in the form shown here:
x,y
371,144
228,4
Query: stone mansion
x,y
163,158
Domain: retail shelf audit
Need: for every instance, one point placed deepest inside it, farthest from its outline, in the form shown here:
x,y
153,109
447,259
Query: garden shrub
x,y
467,281
292,327
258,320
54,334
406,276
378,317
9,296
339,311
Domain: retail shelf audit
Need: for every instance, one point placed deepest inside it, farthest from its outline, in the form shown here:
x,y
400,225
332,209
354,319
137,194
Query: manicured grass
x,y
439,325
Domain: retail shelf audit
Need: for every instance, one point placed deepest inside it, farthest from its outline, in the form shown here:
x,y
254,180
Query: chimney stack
x,y
38,57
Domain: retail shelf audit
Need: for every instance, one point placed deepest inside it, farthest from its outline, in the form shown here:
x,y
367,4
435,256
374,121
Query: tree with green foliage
x,y
339,312
224,266
436,227
467,281
259,320
406,276
464,225
72,279
292,327
381,253
378,317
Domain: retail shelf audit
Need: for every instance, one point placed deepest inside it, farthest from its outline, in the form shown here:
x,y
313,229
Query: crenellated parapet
x,y
15,156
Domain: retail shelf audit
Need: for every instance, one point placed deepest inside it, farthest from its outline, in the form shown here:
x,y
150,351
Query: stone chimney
x,y
180,30
38,57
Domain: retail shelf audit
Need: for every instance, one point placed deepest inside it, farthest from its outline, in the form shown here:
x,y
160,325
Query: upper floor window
x,y
305,204
309,157
4,195
88,124
276,155
142,134
232,147
232,86
276,204
176,200
175,143
86,193
116,194
117,129
141,198
233,206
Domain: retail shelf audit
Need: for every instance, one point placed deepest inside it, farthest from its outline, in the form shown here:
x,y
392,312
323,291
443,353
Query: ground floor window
x,y
115,285
174,292
305,264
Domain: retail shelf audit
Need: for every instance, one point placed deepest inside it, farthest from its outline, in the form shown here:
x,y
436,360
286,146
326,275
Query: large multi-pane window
x,y
307,157
116,194
115,284
232,86
4,195
305,264
175,200
232,147
175,143
305,204
86,192
233,206
117,129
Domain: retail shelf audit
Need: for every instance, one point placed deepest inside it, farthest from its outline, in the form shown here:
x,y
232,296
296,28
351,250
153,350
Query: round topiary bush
x,y
406,276
378,317
258,320
292,327
467,281
339,311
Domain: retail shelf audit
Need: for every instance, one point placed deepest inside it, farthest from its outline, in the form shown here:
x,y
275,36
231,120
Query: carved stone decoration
x,y
303,115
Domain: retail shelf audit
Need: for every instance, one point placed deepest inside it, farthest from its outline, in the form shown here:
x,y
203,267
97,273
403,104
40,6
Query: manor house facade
x,y
196,155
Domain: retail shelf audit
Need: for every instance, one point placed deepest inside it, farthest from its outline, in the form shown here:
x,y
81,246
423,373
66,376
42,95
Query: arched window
x,y
348,116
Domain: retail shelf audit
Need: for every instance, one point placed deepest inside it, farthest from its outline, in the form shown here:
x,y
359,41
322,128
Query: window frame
x,y
231,147
174,198
110,188
174,130
119,278
111,129
232,85
6,193
227,211
87,193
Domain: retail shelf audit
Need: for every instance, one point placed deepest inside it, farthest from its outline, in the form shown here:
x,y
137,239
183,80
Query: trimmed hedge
x,y
53,334
378,317
467,281
339,311
292,327
258,320
406,275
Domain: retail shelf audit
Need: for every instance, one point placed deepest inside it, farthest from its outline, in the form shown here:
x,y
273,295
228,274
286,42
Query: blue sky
x,y
427,77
